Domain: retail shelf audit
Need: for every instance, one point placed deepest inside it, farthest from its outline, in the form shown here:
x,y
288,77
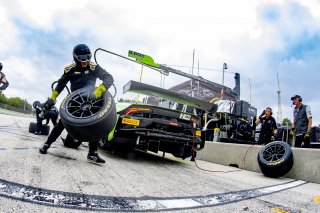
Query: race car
x,y
154,128
157,128
138,126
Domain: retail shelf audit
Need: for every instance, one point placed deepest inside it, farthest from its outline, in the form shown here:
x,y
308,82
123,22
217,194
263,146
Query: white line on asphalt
x,y
108,203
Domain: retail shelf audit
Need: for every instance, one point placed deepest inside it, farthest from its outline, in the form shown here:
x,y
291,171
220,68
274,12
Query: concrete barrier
x,y
306,164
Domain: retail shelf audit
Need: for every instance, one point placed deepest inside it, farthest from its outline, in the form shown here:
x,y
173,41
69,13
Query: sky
x,y
258,39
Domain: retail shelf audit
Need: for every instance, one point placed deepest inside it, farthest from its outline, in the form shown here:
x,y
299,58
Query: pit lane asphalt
x,y
64,181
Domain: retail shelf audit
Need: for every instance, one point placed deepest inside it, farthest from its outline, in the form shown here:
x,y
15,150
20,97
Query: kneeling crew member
x,y
52,114
82,73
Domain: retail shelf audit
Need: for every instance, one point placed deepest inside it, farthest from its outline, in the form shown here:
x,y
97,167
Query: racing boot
x,y
44,148
93,156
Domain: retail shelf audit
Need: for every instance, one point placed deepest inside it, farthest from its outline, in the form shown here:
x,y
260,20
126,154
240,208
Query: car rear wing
x,y
149,90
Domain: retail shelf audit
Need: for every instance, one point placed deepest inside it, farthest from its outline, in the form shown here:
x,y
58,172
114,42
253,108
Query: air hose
x,y
95,59
207,170
61,84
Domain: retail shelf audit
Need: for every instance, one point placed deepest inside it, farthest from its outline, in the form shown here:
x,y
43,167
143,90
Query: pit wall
x,y
306,164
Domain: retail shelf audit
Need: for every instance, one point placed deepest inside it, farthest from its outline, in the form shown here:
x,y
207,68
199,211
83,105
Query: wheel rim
x,y
81,106
102,142
274,152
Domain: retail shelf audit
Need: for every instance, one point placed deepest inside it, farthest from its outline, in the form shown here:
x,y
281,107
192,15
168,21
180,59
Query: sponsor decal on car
x,y
185,116
130,121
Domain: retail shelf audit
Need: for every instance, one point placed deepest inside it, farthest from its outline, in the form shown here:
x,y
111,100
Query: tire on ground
x,y
45,129
70,142
275,159
86,119
32,127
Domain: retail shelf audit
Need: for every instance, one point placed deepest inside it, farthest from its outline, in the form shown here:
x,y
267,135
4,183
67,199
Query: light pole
x,y
192,74
225,66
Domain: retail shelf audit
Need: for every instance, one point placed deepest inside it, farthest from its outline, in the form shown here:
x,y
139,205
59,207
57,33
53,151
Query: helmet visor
x,y
83,58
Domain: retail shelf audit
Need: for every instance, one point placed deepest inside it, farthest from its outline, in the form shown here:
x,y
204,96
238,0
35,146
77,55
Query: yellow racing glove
x,y
307,135
291,132
99,91
54,95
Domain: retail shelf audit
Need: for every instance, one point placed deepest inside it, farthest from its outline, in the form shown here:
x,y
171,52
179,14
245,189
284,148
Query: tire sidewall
x,y
276,168
45,129
286,156
66,118
91,128
32,127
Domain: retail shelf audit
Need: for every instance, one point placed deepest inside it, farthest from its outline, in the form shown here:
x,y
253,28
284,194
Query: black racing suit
x,y
80,77
52,114
268,125
3,81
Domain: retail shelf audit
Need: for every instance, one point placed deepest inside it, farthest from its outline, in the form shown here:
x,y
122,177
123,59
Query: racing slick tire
x,y
44,130
275,159
70,142
87,119
32,127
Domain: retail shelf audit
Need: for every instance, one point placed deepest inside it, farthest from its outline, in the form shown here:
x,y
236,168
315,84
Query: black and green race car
x,y
155,128
136,126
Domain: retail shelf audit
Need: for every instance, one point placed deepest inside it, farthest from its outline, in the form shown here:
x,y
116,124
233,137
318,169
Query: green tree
x,y
3,99
16,102
286,121
20,104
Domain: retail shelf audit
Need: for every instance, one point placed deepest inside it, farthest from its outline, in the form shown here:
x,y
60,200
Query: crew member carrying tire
x,y
41,115
81,74
3,81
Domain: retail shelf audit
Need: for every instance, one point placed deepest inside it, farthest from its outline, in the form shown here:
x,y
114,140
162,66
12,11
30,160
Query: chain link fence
x,y
15,109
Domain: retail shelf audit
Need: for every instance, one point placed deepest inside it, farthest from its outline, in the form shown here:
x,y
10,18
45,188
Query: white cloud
x,y
236,32
8,36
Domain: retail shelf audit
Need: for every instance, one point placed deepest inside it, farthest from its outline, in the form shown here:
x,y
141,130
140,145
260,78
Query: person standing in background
x,y
302,122
268,126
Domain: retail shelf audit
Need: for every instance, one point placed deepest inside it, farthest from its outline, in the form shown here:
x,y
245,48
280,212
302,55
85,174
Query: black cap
x,y
296,96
